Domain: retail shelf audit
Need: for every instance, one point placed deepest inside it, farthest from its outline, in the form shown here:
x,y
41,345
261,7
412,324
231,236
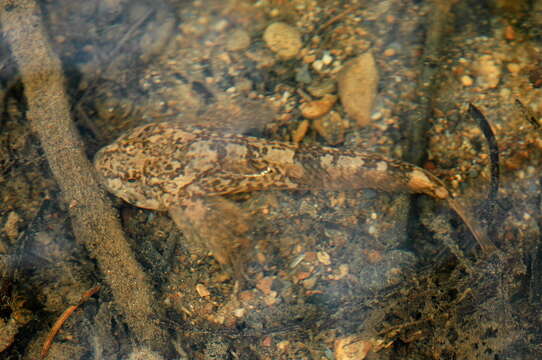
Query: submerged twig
x,y
94,222
338,17
494,157
62,319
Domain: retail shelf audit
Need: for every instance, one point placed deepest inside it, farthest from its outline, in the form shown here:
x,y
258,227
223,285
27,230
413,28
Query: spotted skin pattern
x,y
185,170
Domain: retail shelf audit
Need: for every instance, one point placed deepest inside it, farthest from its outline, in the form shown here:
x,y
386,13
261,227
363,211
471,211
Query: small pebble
x,y
509,33
318,65
264,285
513,68
327,59
283,345
321,88
243,84
202,290
487,71
267,341
11,227
323,257
348,348
344,269
309,283
466,80
505,94
221,25
271,299
358,84
283,39
303,275
309,59
246,296
317,108
331,127
238,40
376,116
374,256
389,52
301,131
239,313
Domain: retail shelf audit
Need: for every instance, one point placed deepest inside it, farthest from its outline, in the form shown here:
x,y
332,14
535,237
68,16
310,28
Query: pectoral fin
x,y
214,224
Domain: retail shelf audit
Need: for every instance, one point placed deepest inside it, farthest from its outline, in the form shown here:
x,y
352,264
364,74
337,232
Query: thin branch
x,y
94,222
62,319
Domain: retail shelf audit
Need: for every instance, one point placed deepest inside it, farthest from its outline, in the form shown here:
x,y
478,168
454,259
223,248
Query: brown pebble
x,y
309,59
310,256
283,345
331,127
246,296
317,108
348,348
202,290
374,256
309,283
323,257
265,284
487,71
466,80
238,40
509,33
513,68
222,277
11,227
260,257
267,341
389,52
271,299
322,88
358,83
300,132
303,275
283,39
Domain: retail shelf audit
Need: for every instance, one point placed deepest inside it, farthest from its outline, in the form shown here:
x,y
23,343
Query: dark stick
x,y
494,157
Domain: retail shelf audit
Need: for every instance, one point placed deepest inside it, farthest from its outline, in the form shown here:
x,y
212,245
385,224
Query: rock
x,y
317,108
318,65
488,72
358,84
265,284
300,132
389,52
11,227
350,348
466,80
331,127
323,257
202,290
513,68
321,88
238,40
283,39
